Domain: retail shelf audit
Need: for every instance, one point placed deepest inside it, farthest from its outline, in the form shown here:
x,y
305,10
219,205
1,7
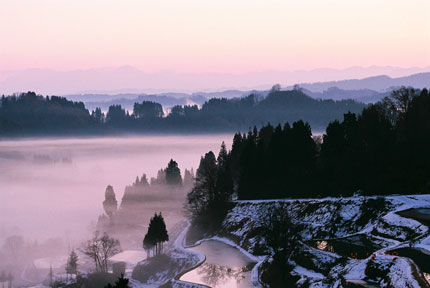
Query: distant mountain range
x,y
381,83
130,80
367,90
127,85
361,95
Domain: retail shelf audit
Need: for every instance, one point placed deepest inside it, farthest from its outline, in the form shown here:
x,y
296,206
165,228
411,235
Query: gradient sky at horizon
x,y
213,36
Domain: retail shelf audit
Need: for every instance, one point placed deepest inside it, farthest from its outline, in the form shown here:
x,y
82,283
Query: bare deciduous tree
x,y
100,248
14,246
398,103
283,236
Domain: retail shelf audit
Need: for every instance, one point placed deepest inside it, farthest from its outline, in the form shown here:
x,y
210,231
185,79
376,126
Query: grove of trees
x,y
29,113
209,199
156,235
383,150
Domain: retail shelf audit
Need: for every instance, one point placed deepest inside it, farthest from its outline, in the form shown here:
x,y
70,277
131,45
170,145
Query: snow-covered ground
x,y
330,218
323,219
130,257
50,262
180,260
326,218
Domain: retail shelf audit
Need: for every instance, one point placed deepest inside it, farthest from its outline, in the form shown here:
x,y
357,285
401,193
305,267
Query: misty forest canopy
x,y
383,150
31,113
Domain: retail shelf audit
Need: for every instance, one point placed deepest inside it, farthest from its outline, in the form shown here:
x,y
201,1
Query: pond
x,y
225,267
420,214
358,246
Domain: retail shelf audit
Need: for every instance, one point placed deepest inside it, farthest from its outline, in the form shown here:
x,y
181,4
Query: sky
x,y
199,36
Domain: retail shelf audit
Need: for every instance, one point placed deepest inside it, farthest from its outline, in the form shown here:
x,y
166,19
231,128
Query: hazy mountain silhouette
x,y
129,79
166,99
361,95
367,90
378,83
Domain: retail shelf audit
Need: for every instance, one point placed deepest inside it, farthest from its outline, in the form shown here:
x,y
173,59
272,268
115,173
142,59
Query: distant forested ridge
x,y
31,113
383,150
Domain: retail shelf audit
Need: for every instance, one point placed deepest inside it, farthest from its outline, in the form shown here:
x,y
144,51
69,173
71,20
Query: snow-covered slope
x,y
340,218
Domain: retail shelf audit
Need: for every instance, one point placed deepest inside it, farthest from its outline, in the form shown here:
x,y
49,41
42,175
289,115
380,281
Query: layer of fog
x,y
55,187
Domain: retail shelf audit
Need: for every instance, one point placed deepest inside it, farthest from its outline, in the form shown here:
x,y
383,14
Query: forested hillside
x,y
31,113
381,151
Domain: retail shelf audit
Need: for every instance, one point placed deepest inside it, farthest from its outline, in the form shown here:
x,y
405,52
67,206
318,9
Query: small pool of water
x,y
420,214
425,211
357,246
419,257
225,267
361,284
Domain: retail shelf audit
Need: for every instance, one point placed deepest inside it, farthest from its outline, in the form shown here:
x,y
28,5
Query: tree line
x,y
383,150
32,113
168,183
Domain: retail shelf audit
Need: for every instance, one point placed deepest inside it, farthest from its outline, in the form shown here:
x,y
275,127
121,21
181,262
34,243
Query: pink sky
x,y
213,36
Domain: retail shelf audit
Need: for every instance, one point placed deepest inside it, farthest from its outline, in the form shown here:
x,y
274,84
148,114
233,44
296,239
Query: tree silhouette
x,y
31,113
209,199
110,204
120,283
380,151
14,246
147,110
51,277
173,174
283,237
155,236
116,115
203,191
100,248
72,263
189,177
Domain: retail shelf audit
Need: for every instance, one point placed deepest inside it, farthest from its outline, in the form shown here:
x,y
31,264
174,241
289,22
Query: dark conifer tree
x,y
156,235
173,174
120,283
110,204
189,177
72,263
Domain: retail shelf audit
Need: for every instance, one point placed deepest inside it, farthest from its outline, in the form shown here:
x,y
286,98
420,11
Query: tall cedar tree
x,y
173,173
208,200
72,263
156,235
110,204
